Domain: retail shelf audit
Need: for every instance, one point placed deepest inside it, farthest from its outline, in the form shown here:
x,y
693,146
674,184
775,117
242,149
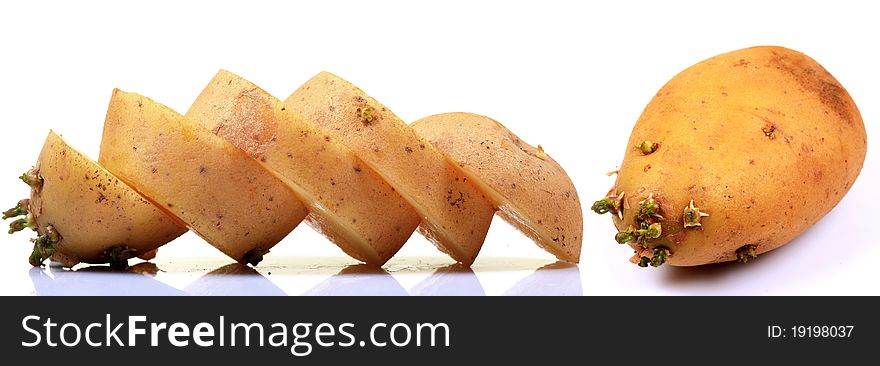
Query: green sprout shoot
x,y
626,236
653,231
648,147
604,206
36,259
661,254
641,236
611,203
693,215
32,178
20,224
52,235
21,208
648,209
366,114
540,152
659,257
44,246
746,253
648,232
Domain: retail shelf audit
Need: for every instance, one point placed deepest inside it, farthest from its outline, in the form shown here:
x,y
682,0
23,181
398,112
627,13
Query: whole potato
x,y
735,156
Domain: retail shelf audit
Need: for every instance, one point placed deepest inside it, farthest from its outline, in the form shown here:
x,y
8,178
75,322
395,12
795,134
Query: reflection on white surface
x,y
321,277
231,280
452,280
358,280
556,279
99,281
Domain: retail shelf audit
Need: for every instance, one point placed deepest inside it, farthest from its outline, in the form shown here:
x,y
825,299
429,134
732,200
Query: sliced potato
x,y
91,210
349,203
222,194
531,190
455,214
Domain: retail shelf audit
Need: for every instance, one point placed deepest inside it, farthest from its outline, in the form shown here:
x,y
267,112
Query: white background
x,y
572,76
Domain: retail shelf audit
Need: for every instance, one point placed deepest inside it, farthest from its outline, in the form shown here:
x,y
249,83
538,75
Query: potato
x,y
349,203
531,190
89,214
735,156
222,194
455,214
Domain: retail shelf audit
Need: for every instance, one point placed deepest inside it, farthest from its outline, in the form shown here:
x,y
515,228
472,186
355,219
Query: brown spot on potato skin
x,y
815,79
807,148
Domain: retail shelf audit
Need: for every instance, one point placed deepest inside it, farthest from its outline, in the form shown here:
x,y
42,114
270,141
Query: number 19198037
x,y
822,331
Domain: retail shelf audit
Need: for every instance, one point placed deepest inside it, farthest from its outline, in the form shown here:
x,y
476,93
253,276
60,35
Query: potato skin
x,y
350,204
218,191
531,190
93,210
455,214
763,139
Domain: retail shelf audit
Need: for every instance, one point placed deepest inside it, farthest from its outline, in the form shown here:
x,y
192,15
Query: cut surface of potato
x,y
531,190
242,169
92,210
219,192
349,203
455,214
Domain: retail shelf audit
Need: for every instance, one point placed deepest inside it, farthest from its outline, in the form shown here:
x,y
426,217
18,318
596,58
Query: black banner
x,y
440,330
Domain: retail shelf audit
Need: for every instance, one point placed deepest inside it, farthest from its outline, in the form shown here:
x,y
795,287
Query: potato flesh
x,y
218,191
455,214
216,180
92,209
532,191
763,139
349,203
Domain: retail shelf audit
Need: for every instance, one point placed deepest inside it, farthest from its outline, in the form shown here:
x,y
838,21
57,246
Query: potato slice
x,y
92,210
350,204
531,190
222,194
455,214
